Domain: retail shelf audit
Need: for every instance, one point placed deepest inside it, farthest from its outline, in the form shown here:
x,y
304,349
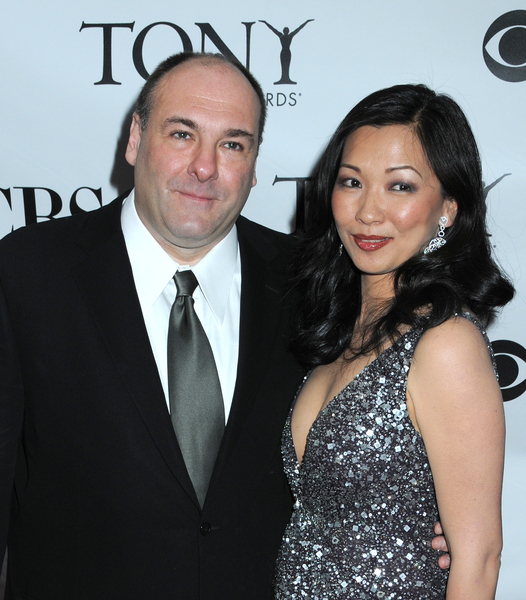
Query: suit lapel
x,y
106,280
262,288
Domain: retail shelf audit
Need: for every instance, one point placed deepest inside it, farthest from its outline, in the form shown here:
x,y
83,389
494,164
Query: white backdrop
x,y
70,72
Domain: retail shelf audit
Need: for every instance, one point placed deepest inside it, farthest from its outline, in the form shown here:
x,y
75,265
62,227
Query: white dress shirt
x,y
217,299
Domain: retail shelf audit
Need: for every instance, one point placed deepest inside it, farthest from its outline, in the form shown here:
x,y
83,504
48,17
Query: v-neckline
x,y
333,399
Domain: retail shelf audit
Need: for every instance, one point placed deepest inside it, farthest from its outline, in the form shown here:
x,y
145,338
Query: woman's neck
x,y
377,291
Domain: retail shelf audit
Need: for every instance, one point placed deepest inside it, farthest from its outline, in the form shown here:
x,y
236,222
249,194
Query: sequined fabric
x,y
365,502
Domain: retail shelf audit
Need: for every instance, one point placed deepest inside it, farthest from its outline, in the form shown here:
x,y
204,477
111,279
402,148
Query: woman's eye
x,y
402,187
350,182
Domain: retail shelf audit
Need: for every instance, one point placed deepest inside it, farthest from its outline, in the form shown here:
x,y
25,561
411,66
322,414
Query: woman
x,y
397,282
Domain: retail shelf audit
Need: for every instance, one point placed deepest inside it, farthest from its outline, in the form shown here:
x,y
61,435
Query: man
x,y
99,499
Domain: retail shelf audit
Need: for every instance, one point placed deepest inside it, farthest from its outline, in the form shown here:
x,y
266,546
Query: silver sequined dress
x,y
365,502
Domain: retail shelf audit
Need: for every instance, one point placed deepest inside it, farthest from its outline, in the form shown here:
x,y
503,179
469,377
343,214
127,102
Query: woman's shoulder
x,y
458,342
452,373
461,326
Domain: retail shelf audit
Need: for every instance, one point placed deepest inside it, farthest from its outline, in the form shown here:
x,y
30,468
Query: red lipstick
x,y
370,243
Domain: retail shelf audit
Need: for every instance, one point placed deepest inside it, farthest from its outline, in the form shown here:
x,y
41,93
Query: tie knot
x,y
186,283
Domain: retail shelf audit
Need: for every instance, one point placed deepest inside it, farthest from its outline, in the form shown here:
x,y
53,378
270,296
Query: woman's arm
x,y
459,412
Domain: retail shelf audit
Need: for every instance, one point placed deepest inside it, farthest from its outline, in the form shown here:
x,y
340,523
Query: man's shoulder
x,y
62,230
57,245
264,237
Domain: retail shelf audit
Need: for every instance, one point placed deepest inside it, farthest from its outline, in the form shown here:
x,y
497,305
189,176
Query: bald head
x,y
147,96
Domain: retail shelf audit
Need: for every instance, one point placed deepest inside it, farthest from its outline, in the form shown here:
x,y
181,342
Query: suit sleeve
x,y
11,416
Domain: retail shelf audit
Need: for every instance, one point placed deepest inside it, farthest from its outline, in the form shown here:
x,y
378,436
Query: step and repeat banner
x,y
70,73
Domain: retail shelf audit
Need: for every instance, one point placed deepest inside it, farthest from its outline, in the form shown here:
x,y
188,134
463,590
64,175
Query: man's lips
x,y
196,196
203,194
370,243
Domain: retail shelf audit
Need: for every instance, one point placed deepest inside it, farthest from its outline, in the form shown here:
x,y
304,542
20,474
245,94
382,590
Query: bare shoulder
x,y
452,373
453,345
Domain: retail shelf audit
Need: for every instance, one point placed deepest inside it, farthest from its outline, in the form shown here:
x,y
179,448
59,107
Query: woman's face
x,y
386,200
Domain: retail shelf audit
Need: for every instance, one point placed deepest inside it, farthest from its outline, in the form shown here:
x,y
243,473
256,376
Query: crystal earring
x,y
340,250
438,241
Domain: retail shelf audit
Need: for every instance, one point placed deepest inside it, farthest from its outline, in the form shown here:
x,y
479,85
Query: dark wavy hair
x,y
144,103
428,288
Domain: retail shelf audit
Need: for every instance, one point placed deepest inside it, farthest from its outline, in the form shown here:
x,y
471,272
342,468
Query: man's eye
x,y
181,135
234,146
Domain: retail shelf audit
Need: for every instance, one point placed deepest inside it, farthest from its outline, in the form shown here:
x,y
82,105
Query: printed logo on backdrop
x,y
504,46
282,55
511,366
285,56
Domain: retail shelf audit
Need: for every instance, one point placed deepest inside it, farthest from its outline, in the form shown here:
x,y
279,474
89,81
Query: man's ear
x,y
134,140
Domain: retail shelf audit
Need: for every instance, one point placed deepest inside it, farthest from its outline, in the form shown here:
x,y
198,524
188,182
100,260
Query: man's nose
x,y
204,163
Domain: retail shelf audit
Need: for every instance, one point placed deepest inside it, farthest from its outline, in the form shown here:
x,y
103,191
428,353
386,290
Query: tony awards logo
x,y
285,57
210,41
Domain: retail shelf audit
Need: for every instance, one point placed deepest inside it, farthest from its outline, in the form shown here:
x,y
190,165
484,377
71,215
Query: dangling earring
x,y
340,250
438,241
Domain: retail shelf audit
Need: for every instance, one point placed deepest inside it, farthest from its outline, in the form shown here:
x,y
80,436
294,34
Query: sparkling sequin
x,y
365,502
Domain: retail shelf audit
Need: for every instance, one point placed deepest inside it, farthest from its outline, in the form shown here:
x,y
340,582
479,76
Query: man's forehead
x,y
205,79
216,88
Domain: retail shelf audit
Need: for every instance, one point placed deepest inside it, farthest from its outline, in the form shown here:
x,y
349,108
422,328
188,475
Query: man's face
x,y
195,161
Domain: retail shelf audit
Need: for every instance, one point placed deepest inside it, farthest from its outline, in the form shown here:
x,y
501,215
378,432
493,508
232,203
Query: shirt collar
x,y
153,267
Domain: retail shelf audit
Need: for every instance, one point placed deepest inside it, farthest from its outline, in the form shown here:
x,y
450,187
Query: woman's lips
x,y
370,243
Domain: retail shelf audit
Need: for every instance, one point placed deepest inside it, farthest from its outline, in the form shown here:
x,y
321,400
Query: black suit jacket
x,y
100,503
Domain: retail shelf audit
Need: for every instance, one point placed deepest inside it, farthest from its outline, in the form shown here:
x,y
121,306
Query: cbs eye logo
x,y
504,46
512,374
